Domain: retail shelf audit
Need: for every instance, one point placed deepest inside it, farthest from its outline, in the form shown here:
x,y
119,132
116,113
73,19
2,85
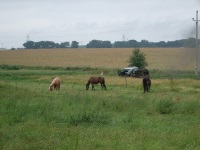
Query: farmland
x,y
158,58
32,117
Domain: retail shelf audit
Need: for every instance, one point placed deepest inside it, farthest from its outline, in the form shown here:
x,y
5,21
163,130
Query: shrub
x,y
137,58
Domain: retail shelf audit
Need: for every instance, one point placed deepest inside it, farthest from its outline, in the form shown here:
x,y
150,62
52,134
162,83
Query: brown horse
x,y
146,84
96,80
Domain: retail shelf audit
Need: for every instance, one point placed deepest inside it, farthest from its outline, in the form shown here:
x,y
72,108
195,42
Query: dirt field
x,y
158,58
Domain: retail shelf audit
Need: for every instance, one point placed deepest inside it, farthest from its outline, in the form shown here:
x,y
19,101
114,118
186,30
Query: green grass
x,y
40,70
32,117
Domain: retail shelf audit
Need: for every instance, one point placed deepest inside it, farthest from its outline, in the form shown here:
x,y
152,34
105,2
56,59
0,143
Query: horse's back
x,y
57,80
146,81
96,80
101,79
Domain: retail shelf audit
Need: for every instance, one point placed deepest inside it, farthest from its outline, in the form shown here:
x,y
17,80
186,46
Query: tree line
x,y
187,43
49,44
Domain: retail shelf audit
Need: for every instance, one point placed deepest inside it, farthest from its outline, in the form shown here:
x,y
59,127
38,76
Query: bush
x,y
137,58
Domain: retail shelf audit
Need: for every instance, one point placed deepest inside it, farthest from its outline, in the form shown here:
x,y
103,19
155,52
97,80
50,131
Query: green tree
x,y
137,58
29,44
99,44
74,44
64,44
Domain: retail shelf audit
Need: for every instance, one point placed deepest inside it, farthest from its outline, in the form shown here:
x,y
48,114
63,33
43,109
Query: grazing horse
x,y
55,84
146,84
96,80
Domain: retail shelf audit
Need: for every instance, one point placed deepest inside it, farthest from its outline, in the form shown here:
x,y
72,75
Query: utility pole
x,y
196,67
123,37
27,38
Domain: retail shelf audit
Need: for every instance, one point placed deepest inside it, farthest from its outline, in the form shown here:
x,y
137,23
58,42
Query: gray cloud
x,y
80,20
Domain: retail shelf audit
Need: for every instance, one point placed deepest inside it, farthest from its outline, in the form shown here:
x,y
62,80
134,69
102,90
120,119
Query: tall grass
x,y
32,117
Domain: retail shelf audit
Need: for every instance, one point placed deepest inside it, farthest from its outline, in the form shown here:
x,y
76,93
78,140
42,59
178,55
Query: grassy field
x,y
123,117
32,117
158,58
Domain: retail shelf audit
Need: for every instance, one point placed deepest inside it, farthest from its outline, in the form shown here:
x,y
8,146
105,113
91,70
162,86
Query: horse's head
x,y
50,88
87,86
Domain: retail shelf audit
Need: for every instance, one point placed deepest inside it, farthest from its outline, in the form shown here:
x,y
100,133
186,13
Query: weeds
x,y
165,106
10,67
89,118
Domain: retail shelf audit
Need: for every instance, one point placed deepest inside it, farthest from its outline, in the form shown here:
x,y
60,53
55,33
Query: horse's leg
x,y
101,86
144,87
149,83
143,84
93,87
104,86
149,86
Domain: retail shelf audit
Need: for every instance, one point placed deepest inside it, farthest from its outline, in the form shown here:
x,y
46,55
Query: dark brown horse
x,y
96,80
146,84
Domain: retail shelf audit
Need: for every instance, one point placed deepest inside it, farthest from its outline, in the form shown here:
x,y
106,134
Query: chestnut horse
x,y
146,84
96,80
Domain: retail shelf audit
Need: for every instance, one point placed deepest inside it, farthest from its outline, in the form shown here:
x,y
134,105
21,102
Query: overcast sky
x,y
85,20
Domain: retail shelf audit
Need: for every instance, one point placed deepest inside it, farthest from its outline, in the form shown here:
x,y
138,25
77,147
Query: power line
x,y
93,33
135,30
130,23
